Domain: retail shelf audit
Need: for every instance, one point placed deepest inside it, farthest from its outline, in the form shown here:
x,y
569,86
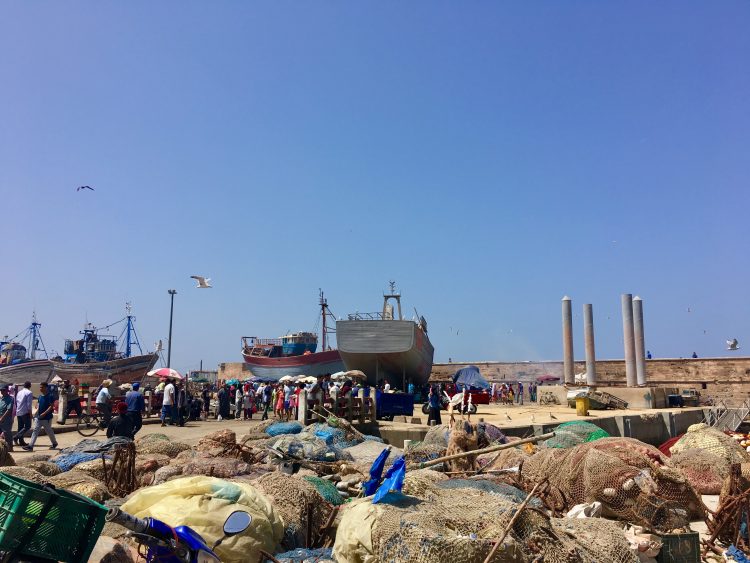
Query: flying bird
x,y
508,416
79,188
202,282
552,416
733,344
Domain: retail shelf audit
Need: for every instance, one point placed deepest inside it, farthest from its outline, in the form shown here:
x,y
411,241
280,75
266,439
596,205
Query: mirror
x,y
237,522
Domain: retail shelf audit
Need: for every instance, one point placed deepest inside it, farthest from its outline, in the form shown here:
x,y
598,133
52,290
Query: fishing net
x,y
222,467
367,452
320,555
146,438
431,447
6,459
165,447
504,459
66,462
44,467
33,457
95,468
508,492
279,428
81,483
421,481
702,437
569,434
304,446
627,476
464,438
25,473
705,471
463,525
593,540
216,440
166,473
325,489
490,434
294,499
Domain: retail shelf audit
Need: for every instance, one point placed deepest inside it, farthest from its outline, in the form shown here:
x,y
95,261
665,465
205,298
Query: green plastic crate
x,y
680,548
47,522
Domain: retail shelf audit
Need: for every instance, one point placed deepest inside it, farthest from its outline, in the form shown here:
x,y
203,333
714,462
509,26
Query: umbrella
x,y
166,372
338,374
56,379
285,379
355,374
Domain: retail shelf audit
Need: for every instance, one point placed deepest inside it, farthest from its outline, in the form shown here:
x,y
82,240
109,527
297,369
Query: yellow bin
x,y
582,406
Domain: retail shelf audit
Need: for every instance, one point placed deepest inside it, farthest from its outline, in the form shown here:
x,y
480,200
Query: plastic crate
x,y
47,522
680,548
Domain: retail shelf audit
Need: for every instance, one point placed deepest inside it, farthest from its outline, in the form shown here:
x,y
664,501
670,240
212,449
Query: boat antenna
x,y
35,338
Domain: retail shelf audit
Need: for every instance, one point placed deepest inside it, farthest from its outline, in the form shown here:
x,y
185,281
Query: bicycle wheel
x,y
88,424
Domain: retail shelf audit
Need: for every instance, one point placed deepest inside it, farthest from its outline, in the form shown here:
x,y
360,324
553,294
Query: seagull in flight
x,y
202,282
733,344
79,188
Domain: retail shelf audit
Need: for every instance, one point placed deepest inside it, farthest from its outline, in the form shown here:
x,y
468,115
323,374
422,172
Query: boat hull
x,y
273,369
395,350
124,370
35,371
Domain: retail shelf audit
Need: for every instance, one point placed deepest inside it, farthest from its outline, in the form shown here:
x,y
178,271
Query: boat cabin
x,y
91,348
293,344
11,353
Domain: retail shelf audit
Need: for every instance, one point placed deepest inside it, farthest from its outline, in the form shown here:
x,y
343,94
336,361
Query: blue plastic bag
x,y
376,472
394,480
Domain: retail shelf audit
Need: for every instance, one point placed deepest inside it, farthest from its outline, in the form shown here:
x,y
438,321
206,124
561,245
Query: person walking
x,y
519,396
74,401
43,418
104,403
248,402
206,398
6,416
224,402
238,402
182,403
136,404
167,404
24,400
434,401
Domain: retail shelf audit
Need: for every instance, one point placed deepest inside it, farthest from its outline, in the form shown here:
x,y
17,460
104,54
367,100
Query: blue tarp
x,y
470,378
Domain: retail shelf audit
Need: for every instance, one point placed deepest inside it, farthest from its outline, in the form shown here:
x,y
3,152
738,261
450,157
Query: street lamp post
x,y
172,293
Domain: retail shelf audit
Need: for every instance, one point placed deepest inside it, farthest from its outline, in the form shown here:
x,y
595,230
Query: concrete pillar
x,y
628,339
567,332
62,406
373,404
302,407
640,341
588,335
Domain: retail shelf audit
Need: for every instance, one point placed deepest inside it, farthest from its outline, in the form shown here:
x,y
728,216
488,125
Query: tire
x,y
88,424
472,409
425,409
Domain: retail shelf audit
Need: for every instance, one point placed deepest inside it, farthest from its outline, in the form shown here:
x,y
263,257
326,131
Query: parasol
x,y
166,372
355,374
285,379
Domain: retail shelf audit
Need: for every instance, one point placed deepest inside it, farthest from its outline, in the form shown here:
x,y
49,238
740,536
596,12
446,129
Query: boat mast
x,y
392,295
128,329
34,336
323,306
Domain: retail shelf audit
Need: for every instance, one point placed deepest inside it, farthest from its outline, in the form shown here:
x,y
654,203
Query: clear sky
x,y
490,157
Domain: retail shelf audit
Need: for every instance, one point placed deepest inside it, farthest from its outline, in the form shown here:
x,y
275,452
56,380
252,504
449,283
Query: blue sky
x,y
484,155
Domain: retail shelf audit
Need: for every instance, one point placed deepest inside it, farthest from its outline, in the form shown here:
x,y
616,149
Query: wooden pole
x,y
482,451
509,527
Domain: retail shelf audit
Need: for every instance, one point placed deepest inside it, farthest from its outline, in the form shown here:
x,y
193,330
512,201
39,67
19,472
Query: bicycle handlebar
x,y
124,519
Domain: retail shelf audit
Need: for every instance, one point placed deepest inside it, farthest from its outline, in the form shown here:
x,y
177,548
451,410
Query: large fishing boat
x,y
18,358
95,357
397,350
294,353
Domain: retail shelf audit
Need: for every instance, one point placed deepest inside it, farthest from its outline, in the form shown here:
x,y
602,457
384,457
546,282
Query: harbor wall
x,y
720,377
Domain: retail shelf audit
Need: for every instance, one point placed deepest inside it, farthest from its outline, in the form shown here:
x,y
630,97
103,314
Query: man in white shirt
x,y
168,404
387,387
24,399
103,403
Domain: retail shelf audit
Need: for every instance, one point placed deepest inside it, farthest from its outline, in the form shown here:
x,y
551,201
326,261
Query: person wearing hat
x,y
24,400
136,405
6,415
43,418
120,425
104,403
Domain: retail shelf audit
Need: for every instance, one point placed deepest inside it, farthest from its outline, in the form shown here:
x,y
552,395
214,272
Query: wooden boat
x,y
386,348
293,354
93,358
18,362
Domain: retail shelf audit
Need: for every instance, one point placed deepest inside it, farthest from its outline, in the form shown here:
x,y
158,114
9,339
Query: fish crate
x,y
680,548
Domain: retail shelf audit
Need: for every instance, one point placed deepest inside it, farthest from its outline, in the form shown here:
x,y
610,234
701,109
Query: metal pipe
x,y
567,335
628,339
172,293
640,341
588,335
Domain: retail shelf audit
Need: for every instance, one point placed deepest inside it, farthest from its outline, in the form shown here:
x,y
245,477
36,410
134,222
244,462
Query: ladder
x,y
728,419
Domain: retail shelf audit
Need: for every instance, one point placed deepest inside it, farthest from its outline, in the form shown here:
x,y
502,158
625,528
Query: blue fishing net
x,y
69,461
279,428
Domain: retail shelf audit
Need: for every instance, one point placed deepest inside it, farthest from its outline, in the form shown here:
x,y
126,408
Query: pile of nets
x,y
463,526
81,483
319,555
431,447
509,492
222,467
365,454
305,446
463,438
418,482
25,473
294,498
66,462
569,434
326,489
712,440
166,447
92,446
705,471
627,476
279,428
44,467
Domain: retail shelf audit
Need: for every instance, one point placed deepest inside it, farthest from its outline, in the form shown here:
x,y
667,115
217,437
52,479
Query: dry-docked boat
x,y
94,357
292,354
384,347
18,362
